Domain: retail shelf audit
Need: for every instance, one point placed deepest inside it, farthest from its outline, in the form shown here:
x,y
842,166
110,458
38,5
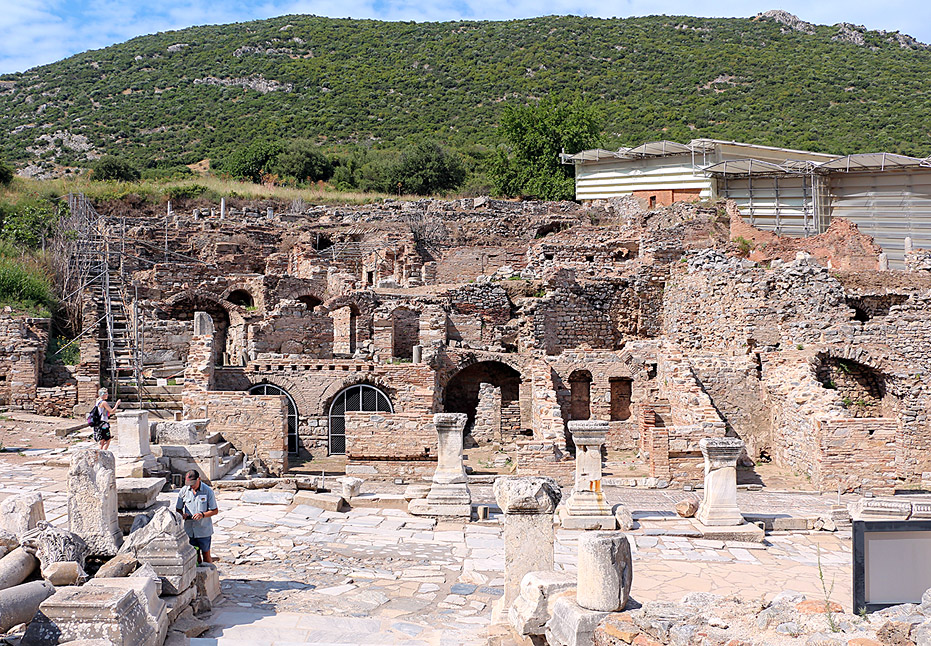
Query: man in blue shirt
x,y
196,504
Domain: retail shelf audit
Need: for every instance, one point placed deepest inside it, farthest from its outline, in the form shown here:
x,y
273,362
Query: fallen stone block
x,y
746,533
64,573
687,508
165,546
379,501
605,572
350,486
53,545
267,497
91,613
625,520
16,567
326,501
571,624
119,566
20,513
8,542
19,604
533,606
146,591
189,625
178,603
880,509
137,493
92,501
206,586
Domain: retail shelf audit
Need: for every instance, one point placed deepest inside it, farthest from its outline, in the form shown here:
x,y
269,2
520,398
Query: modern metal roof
x,y
873,161
747,167
660,149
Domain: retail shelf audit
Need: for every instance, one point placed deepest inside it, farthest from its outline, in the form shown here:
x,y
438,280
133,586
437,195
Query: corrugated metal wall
x,y
887,205
596,181
784,205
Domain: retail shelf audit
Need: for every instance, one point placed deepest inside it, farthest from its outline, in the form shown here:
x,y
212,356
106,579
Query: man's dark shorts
x,y
102,432
203,543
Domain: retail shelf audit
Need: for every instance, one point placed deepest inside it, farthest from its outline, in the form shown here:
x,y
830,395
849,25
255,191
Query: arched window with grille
x,y
272,389
361,397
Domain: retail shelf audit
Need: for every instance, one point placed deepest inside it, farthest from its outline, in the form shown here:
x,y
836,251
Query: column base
x,y
568,520
423,507
719,516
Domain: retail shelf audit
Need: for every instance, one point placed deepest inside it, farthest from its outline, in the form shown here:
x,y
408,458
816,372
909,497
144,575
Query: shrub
x,y
6,173
303,161
173,172
29,222
70,356
253,161
427,168
187,191
22,286
113,168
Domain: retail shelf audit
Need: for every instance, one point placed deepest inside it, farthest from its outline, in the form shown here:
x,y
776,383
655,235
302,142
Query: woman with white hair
x,y
102,430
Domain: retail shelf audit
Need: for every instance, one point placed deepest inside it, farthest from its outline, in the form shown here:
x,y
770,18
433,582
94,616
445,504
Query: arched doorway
x,y
462,392
405,325
580,395
242,298
361,397
272,389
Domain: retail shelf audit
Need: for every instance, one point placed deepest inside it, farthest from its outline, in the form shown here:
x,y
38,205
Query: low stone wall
x,y
56,401
539,457
390,436
856,453
257,425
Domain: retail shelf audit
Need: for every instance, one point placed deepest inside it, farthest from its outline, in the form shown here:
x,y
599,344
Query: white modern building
x,y
791,192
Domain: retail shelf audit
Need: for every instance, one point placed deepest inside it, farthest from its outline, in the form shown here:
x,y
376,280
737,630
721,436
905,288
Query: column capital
x,y
527,495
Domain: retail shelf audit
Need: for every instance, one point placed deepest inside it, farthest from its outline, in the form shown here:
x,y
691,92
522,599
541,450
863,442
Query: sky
x,y
35,32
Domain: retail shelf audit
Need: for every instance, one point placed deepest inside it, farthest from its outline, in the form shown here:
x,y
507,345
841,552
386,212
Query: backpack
x,y
93,417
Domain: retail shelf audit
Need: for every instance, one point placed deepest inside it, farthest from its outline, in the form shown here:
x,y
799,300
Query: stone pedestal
x,y
132,436
138,493
586,507
571,624
92,501
528,504
605,572
165,546
538,592
82,612
22,512
719,506
449,491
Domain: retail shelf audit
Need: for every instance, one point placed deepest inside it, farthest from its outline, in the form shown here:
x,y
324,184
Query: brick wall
x,y
257,425
856,453
390,436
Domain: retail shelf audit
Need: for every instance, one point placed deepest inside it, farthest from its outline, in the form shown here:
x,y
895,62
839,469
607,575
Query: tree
x,y
534,135
303,161
6,173
426,168
114,168
253,161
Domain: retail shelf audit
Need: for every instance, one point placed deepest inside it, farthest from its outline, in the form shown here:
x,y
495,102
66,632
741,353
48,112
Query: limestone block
x,y
119,566
586,507
533,607
138,493
625,520
183,432
326,501
268,497
92,501
572,625
91,612
178,603
605,572
20,513
350,486
687,508
206,586
165,546
64,573
527,495
132,434
146,571
881,509
20,603
719,505
416,490
16,567
53,545
8,542
146,591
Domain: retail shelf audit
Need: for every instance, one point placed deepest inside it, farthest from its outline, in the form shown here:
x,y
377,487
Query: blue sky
x,y
35,32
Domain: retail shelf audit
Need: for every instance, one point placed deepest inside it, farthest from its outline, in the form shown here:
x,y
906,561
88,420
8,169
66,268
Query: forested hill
x,y
201,92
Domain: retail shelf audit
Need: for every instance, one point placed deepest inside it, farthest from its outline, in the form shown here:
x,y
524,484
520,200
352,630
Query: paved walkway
x,y
390,578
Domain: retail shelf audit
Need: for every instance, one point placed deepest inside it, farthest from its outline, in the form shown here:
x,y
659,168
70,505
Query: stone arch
x,y
461,394
310,301
241,297
181,307
360,396
864,390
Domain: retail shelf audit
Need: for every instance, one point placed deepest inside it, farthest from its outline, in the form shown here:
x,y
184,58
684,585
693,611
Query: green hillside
x,y
179,97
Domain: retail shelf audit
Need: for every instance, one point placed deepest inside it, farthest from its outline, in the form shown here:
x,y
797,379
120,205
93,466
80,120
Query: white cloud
x,y
34,32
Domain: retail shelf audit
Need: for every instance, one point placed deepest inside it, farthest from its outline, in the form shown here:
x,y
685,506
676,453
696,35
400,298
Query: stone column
x,y
92,501
134,455
199,370
605,572
19,604
719,506
528,504
586,507
449,492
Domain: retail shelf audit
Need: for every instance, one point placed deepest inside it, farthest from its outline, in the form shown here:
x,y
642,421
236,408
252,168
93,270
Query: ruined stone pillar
x,y
586,507
134,455
487,426
719,505
605,572
449,491
417,352
199,369
92,501
528,504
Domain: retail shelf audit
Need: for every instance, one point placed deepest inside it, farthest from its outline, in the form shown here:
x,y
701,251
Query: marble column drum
x,y
719,505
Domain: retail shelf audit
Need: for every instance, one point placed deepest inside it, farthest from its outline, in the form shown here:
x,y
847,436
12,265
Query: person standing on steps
x,y
196,504
102,430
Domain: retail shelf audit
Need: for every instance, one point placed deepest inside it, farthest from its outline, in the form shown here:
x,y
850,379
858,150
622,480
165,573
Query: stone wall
x,y
856,454
487,426
390,436
257,425
290,329
23,341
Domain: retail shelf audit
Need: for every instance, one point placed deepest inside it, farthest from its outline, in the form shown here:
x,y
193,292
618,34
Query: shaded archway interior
x,y
184,309
462,390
